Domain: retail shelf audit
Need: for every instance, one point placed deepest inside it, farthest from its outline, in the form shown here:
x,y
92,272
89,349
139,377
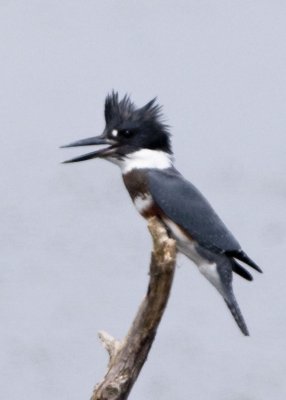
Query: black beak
x,y
97,140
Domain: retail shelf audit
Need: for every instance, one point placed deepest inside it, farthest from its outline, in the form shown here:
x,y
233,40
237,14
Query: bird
x,y
138,140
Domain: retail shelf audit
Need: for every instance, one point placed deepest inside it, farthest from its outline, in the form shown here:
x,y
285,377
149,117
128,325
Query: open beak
x,y
97,140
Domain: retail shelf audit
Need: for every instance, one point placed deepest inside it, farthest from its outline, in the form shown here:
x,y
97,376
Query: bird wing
x,y
180,201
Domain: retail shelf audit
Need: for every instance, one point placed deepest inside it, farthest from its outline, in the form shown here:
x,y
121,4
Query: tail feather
x,y
238,269
242,256
237,315
219,274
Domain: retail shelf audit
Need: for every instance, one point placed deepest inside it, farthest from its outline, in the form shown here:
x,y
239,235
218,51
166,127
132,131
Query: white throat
x,y
144,158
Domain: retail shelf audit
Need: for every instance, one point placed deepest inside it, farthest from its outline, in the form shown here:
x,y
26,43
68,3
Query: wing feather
x,y
187,207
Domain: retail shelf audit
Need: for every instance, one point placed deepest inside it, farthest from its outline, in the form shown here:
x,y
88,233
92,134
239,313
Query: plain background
x,y
74,252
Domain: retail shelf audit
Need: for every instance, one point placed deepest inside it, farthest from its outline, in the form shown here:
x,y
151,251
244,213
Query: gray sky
x,y
74,253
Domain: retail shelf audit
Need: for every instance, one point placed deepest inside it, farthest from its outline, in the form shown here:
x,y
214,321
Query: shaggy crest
x,y
125,110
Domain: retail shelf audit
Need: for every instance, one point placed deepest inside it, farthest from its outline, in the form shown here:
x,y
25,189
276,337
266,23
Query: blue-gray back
x,y
183,203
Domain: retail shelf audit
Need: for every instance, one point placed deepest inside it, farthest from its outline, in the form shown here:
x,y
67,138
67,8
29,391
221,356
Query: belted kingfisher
x,y
138,141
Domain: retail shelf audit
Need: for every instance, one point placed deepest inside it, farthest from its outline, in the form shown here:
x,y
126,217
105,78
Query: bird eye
x,y
126,132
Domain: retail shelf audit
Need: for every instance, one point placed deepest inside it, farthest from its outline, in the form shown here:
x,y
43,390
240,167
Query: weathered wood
x,y
127,357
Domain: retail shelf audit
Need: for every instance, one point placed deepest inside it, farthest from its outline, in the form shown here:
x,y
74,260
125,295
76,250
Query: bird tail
x,y
242,256
236,313
238,269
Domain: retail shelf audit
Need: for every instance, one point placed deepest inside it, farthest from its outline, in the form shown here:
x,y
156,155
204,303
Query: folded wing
x,y
186,206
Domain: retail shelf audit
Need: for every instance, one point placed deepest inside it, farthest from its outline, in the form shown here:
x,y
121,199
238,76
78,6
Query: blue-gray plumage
x,y
139,143
191,210
195,216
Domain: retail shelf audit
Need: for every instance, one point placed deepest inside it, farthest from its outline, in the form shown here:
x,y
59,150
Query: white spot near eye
x,y
114,132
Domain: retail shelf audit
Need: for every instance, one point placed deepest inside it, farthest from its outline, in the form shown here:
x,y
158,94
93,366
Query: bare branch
x,y
127,357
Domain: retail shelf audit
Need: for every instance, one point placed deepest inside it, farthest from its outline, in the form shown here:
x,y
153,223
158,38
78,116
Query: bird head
x,y
128,130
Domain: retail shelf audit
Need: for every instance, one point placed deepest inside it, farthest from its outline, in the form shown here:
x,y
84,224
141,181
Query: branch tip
x,y
159,233
109,343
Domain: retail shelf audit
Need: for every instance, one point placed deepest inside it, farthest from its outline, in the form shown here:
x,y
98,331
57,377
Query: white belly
x,y
189,249
184,244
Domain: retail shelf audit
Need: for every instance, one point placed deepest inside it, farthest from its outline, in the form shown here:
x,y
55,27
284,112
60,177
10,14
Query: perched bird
x,y
138,141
